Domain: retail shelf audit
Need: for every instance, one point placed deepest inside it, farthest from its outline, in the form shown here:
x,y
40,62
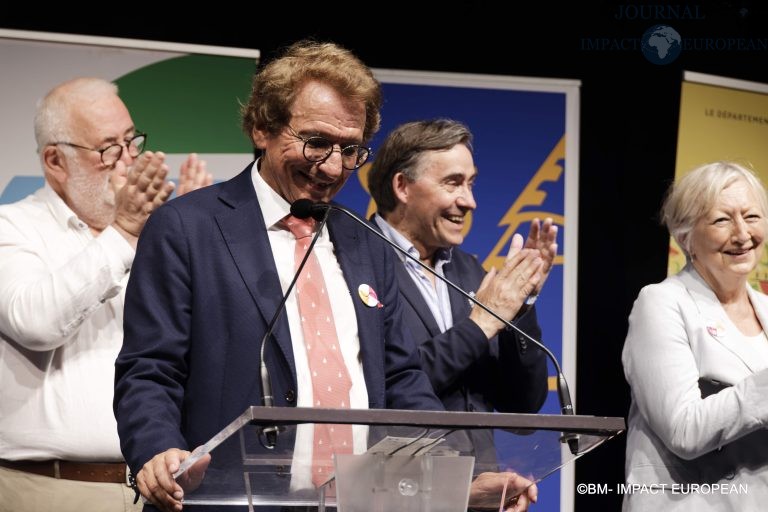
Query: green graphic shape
x,y
190,103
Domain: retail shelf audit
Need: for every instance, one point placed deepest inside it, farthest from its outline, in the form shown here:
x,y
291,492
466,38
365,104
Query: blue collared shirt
x,y
436,296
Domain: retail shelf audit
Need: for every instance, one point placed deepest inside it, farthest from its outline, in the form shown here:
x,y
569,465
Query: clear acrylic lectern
x,y
406,461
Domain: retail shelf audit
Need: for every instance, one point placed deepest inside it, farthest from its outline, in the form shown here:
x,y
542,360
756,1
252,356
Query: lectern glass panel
x,y
402,460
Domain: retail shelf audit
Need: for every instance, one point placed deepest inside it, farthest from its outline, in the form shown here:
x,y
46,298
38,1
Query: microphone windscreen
x,y
302,208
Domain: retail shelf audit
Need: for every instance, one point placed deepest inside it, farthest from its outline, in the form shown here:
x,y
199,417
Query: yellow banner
x,y
722,123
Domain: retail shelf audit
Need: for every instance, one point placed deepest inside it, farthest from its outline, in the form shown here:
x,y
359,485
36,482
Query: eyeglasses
x,y
318,149
111,154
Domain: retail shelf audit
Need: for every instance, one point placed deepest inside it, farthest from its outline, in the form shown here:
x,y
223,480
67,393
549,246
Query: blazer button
x,y
290,396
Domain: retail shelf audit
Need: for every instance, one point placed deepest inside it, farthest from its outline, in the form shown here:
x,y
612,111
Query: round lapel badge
x,y
368,296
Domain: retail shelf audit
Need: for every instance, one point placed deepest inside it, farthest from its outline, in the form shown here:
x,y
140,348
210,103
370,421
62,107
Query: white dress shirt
x,y
61,314
274,208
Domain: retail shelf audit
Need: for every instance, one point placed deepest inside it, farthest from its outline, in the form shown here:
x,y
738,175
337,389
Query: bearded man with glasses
x,y
65,255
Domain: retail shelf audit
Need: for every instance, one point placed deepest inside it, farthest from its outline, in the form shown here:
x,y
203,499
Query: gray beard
x,y
91,198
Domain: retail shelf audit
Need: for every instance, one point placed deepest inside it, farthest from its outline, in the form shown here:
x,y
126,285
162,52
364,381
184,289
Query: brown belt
x,y
82,471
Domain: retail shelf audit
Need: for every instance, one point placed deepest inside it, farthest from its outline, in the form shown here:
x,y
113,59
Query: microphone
x,y
267,399
304,208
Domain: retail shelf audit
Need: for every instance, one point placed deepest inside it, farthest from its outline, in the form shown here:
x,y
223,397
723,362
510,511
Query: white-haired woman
x,y
696,355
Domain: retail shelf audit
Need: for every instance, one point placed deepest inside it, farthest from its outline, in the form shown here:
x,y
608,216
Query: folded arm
x,y
663,373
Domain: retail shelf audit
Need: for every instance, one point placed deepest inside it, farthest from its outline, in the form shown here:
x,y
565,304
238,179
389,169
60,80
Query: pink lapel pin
x,y
368,296
715,330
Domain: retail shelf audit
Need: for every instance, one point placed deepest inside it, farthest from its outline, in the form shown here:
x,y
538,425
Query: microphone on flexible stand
x,y
267,399
304,208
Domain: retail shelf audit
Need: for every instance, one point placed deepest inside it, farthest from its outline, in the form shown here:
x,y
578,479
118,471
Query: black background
x,y
629,118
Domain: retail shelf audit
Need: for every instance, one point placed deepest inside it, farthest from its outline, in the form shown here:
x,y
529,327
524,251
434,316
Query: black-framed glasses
x,y
112,153
318,149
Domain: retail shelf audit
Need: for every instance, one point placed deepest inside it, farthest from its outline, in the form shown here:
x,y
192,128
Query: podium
x,y
403,460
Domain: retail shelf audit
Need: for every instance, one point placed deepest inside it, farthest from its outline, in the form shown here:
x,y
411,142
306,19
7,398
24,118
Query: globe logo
x,y
661,44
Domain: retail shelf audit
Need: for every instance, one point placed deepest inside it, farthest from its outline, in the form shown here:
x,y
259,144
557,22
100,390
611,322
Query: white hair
x,y
54,112
696,193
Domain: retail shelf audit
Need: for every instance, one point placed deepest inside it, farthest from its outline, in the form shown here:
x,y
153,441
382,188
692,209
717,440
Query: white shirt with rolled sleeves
x,y
61,315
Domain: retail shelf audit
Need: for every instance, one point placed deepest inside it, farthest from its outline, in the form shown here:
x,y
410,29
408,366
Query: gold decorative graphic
x,y
362,176
550,170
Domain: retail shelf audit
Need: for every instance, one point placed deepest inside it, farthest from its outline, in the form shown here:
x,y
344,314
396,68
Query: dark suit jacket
x,y
468,371
202,289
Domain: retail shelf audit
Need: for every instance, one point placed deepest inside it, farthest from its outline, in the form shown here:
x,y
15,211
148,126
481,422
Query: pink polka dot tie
x,y
330,379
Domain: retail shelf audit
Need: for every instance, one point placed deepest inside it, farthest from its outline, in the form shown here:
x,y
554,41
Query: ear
x,y
259,138
684,242
400,187
55,164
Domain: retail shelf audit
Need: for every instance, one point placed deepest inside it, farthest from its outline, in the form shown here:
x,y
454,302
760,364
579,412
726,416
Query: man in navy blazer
x,y
211,270
422,182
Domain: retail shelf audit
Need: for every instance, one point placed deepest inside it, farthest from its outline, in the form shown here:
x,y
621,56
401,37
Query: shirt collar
x,y
62,213
273,207
442,256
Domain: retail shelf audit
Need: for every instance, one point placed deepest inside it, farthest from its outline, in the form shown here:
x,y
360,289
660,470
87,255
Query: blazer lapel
x,y
719,327
413,296
760,304
411,293
460,305
348,247
245,235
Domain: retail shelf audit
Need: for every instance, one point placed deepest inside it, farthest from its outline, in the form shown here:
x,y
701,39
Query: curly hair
x,y
275,87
